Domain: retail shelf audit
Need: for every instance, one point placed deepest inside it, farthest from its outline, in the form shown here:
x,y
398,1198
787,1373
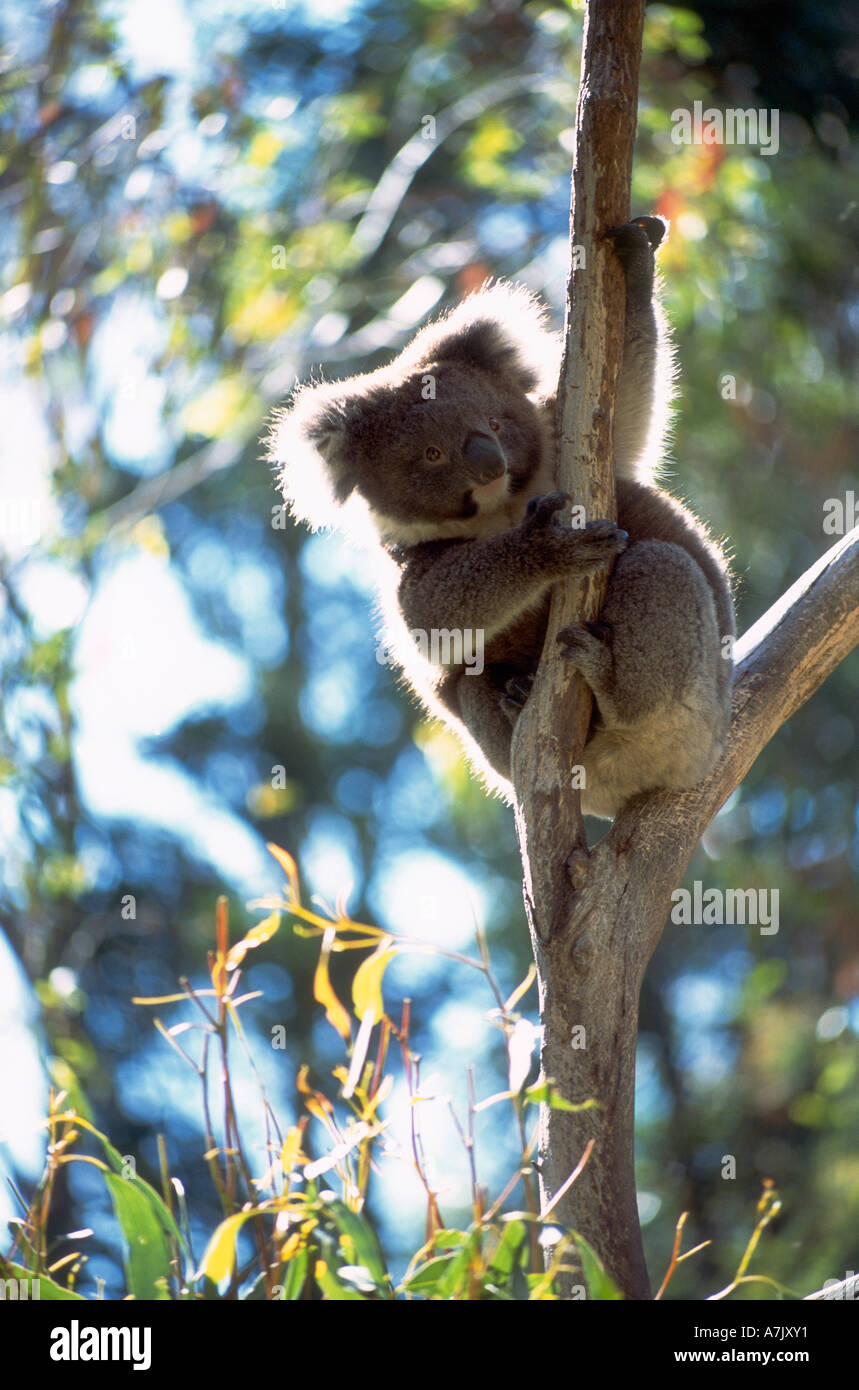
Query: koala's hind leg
x,y
662,687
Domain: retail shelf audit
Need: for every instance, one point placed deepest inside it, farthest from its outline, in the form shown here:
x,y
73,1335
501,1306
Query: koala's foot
x,y
518,689
577,865
588,648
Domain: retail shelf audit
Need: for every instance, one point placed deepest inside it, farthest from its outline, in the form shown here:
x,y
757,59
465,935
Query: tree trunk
x,y
596,916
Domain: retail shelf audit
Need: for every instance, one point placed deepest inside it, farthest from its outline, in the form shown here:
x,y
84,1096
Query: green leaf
x,y
362,1240
147,1260
449,1239
145,1221
446,1276
427,1277
601,1287
333,1288
119,1166
508,1250
294,1276
454,1282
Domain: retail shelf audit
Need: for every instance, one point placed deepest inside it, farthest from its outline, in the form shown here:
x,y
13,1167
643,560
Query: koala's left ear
x,y
500,330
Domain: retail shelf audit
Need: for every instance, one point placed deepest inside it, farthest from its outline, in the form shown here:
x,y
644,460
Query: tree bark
x,y
596,916
580,988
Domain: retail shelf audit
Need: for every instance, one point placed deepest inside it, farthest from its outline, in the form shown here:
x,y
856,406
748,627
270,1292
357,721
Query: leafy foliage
x,y
308,1242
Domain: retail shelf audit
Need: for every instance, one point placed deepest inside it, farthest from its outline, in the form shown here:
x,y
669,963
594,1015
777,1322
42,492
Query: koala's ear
x,y
500,330
308,442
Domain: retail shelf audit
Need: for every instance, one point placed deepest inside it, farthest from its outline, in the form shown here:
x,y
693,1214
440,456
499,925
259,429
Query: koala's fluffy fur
x,y
459,489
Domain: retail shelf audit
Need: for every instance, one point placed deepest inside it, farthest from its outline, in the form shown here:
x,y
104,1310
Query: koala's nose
x,y
483,457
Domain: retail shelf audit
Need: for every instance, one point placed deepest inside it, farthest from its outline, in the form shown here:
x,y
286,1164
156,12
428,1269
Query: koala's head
x,y
435,441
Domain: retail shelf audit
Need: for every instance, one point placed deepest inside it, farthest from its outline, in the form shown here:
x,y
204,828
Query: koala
x,y
448,451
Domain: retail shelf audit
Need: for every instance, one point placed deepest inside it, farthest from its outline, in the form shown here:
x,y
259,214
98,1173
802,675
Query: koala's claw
x,y
519,688
630,237
597,543
540,510
601,529
604,538
655,227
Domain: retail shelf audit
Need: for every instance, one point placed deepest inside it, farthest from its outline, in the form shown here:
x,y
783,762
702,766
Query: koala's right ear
x,y
308,442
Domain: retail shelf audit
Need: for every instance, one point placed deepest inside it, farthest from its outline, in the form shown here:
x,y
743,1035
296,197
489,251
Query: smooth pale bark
x,y
596,917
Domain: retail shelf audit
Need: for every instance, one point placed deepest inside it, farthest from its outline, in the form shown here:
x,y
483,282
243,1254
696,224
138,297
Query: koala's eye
x,y
493,423
433,454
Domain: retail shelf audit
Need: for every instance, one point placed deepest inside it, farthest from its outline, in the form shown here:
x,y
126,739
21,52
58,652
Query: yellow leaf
x,y
289,1247
218,972
160,998
318,1104
263,931
287,863
220,1255
323,991
291,1153
367,984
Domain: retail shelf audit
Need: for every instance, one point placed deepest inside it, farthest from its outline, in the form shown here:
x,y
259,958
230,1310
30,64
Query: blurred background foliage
x,y
203,203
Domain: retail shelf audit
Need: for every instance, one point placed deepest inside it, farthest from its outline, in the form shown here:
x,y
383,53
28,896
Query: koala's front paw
x,y
635,243
572,547
632,236
587,547
541,510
